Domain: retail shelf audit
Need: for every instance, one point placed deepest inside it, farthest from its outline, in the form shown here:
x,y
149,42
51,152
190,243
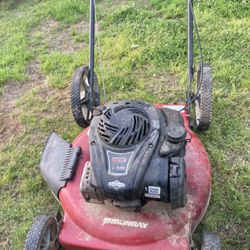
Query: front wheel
x,y
42,234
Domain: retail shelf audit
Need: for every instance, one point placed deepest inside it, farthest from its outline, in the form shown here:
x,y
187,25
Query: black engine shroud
x,y
137,153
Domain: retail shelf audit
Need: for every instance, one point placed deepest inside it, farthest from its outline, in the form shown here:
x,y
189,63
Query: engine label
x,y
153,192
118,162
128,223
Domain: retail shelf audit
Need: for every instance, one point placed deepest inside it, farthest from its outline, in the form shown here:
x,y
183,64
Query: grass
x,y
143,43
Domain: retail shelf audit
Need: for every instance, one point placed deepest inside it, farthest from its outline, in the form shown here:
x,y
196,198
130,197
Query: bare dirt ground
x,y
13,91
123,3
59,38
9,124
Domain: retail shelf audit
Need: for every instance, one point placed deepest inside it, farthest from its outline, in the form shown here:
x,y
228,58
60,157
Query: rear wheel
x,y
203,103
42,234
210,241
80,97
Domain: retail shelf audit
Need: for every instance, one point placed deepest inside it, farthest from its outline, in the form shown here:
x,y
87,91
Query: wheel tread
x,y
205,105
34,235
75,99
76,105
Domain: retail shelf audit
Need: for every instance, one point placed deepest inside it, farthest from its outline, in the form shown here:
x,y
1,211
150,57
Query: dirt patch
x,y
34,73
166,87
9,124
58,38
115,4
12,92
19,14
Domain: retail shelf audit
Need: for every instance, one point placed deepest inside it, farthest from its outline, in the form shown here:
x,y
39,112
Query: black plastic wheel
x,y
203,104
210,241
42,234
80,94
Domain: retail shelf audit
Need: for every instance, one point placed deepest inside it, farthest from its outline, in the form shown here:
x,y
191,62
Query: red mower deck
x,y
157,226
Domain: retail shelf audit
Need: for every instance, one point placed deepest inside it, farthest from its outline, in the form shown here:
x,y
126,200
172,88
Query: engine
x,y
136,154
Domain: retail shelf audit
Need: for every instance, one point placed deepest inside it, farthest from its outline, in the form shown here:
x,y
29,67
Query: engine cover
x,y
137,153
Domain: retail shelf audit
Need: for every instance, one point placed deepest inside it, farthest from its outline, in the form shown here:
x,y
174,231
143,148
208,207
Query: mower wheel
x,y
210,241
42,234
80,97
203,103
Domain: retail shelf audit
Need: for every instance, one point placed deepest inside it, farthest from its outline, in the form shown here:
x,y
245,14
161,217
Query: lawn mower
x,y
137,177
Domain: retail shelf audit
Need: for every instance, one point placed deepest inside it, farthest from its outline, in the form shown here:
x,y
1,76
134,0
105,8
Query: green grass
x,y
142,42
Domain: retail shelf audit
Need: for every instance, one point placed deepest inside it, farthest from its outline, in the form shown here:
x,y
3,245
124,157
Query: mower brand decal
x,y
116,184
127,223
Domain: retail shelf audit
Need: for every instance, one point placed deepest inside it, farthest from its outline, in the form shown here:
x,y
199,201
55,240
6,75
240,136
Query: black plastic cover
x,y
132,145
58,162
